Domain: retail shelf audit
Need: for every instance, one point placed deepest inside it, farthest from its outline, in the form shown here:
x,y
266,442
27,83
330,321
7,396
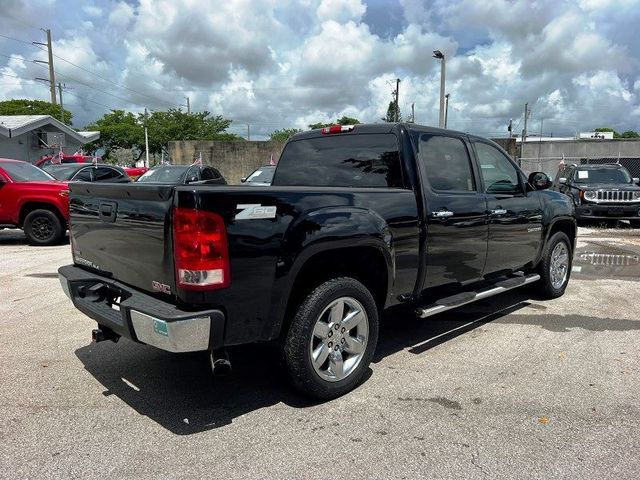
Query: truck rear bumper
x,y
140,317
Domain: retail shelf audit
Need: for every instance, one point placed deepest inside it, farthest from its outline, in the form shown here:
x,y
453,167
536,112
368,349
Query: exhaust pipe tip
x,y
220,363
100,335
97,335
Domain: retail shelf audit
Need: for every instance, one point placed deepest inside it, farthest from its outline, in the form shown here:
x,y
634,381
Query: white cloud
x,y
286,63
340,11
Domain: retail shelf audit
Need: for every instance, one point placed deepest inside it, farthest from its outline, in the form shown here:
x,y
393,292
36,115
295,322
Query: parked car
x,y
601,192
182,175
357,219
79,172
46,161
33,200
260,177
135,172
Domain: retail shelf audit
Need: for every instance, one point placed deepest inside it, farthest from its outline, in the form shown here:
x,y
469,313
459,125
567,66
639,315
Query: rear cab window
x,y
352,160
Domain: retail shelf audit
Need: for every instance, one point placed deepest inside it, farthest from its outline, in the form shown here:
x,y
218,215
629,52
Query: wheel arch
x,y
30,206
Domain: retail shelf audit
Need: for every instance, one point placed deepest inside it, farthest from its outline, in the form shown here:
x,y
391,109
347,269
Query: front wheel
x,y
332,338
43,227
555,266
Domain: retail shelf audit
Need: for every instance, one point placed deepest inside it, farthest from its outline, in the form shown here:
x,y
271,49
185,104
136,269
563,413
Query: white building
x,y
30,137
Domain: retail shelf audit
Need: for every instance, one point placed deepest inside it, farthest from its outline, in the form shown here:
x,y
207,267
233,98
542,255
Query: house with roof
x,y
30,137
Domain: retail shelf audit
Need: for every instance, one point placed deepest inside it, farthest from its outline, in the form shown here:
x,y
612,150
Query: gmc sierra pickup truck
x,y
357,219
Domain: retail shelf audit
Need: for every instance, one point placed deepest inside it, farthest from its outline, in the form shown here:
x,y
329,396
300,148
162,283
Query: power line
x,y
94,73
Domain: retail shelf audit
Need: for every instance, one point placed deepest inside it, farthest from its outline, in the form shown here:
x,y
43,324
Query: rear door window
x,y
446,163
104,174
365,160
83,175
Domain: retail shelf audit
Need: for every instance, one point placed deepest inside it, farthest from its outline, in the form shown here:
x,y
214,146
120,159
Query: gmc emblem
x,y
160,287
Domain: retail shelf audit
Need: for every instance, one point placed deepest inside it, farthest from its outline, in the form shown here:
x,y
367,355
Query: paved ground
x,y
530,389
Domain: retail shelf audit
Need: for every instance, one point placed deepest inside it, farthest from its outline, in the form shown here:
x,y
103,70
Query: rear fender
x,y
321,231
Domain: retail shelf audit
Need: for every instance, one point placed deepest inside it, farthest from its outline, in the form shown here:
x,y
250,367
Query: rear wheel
x,y
43,227
332,338
555,266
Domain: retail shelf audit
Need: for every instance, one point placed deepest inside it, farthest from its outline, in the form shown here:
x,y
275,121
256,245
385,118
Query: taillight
x,y
200,250
337,129
64,193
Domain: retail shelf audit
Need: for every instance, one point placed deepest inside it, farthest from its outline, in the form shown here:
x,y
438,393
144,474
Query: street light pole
x,y
439,55
446,109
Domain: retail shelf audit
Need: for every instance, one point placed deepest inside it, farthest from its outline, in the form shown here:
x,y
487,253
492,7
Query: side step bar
x,y
463,298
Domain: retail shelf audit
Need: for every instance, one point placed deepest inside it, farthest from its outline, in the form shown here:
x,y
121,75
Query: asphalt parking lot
x,y
512,387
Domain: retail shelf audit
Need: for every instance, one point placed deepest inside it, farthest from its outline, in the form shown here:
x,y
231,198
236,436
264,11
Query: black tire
x,y
300,336
545,285
43,227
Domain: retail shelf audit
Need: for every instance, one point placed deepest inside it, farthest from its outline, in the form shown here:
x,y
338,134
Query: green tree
x,y
33,107
175,125
284,134
118,129
344,120
124,130
630,134
391,113
607,129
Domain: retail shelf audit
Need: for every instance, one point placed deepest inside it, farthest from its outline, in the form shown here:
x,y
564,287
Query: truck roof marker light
x,y
337,129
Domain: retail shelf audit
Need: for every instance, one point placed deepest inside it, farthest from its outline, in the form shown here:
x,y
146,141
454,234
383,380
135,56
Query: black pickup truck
x,y
357,219
604,192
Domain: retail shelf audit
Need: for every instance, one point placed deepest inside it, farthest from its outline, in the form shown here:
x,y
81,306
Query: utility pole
x,y
397,95
446,109
413,113
248,132
526,118
52,77
61,104
188,106
146,140
439,55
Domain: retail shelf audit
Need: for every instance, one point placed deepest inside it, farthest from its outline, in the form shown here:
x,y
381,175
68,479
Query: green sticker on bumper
x,y
160,327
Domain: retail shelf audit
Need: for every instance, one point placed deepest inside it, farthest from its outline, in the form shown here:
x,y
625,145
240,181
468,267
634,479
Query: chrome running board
x,y
463,298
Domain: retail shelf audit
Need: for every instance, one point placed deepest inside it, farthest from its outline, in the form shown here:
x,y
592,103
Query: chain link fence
x,y
550,165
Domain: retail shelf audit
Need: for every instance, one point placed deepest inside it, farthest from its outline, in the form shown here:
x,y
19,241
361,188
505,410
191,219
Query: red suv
x,y
33,200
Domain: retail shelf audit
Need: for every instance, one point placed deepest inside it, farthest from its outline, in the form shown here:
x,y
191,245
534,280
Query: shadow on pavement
x,y
179,392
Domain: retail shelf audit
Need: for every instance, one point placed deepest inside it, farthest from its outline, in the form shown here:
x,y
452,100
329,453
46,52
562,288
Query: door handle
x,y
442,214
498,211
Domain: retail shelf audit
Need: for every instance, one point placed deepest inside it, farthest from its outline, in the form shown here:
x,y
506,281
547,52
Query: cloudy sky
x,y
287,63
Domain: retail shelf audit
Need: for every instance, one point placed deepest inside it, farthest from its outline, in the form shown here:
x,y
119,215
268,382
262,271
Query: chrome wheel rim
x,y
559,266
42,228
339,339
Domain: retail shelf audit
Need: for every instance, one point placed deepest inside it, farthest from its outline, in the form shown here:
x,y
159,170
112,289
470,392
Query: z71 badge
x,y
255,211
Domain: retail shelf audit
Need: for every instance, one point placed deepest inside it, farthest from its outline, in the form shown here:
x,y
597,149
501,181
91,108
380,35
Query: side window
x,y
446,163
83,175
498,173
193,174
104,174
209,174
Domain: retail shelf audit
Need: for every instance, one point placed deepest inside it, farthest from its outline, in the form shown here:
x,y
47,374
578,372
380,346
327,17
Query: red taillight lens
x,y
200,249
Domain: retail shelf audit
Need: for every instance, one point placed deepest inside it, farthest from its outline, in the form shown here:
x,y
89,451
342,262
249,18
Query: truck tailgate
x,y
122,230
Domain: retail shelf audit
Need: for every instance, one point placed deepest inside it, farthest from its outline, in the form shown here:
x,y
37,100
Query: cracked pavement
x,y
510,387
